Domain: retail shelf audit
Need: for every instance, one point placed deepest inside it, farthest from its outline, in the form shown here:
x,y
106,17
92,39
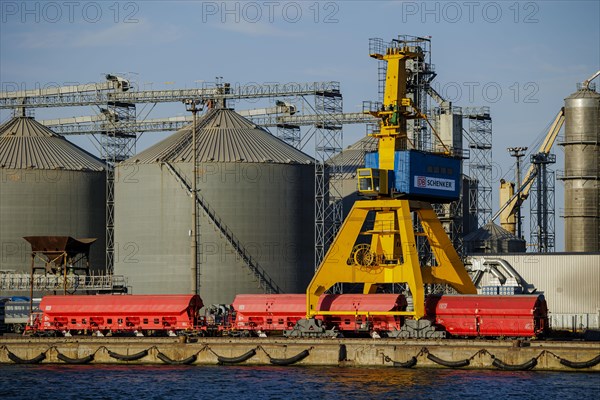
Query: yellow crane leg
x,y
336,267
410,254
450,268
395,251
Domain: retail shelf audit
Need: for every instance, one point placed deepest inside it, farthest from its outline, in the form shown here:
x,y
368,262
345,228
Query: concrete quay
x,y
465,354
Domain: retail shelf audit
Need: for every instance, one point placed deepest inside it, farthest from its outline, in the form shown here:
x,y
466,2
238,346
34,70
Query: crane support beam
x,y
42,99
98,124
85,124
90,88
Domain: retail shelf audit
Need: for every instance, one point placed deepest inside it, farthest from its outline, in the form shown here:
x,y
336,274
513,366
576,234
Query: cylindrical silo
x,y
48,187
350,159
257,188
494,239
582,171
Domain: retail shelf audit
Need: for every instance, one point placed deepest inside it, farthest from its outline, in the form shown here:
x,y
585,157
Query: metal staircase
x,y
264,280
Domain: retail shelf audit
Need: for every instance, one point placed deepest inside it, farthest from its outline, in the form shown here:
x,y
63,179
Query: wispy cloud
x,y
322,71
116,35
564,68
257,29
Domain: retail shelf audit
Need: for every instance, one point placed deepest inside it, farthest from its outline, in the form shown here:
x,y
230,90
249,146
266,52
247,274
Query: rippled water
x,y
211,382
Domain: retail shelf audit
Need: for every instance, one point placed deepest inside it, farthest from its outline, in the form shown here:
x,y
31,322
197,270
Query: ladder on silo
x,y
264,280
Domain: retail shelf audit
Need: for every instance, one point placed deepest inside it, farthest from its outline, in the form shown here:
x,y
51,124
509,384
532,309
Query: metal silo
x,y
582,171
257,195
492,238
351,158
48,186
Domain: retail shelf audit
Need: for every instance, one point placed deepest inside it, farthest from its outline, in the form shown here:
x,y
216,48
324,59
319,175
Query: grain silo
x,y
349,159
48,187
492,238
582,171
259,193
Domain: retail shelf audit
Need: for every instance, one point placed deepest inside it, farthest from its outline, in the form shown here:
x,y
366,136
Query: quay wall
x,y
465,354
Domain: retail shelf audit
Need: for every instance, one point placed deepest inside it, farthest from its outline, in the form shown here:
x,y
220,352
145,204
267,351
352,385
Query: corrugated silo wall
x,y
269,207
582,171
570,283
349,194
50,203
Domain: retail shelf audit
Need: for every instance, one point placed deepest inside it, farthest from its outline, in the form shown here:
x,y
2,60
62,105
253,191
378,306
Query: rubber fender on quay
x,y
581,364
519,367
450,364
70,360
343,353
128,357
164,358
407,364
236,360
292,360
18,360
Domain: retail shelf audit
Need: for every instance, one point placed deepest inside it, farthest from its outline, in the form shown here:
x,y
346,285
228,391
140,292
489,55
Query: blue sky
x,y
520,58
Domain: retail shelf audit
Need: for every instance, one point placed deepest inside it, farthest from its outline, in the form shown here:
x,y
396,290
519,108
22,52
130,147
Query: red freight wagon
x,y
363,303
125,313
509,316
266,312
281,312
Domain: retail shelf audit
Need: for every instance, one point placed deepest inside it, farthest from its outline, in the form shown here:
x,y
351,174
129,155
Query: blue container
x,y
422,176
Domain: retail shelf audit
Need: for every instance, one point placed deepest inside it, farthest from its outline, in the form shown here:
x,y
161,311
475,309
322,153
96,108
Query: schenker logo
x,y
426,182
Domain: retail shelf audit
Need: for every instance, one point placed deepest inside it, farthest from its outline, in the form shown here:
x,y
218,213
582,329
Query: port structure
x,y
512,198
392,255
119,128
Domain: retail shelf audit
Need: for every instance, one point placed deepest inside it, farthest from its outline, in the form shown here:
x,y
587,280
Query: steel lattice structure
x,y
20,282
328,143
290,124
117,124
542,207
480,163
45,98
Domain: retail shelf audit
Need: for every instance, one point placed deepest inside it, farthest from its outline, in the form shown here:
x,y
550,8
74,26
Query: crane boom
x,y
546,146
437,97
509,209
586,83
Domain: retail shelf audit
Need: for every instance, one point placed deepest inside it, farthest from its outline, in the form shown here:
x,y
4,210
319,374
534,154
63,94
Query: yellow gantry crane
x,y
385,251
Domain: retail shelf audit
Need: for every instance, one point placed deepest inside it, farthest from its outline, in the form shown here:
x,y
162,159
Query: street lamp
x,y
194,105
518,153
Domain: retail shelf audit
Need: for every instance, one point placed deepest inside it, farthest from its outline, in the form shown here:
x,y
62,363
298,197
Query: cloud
x,y
564,68
257,29
117,35
322,71
128,34
35,40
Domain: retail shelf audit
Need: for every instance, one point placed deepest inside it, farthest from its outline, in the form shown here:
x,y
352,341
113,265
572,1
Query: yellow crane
x,y
512,200
385,251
